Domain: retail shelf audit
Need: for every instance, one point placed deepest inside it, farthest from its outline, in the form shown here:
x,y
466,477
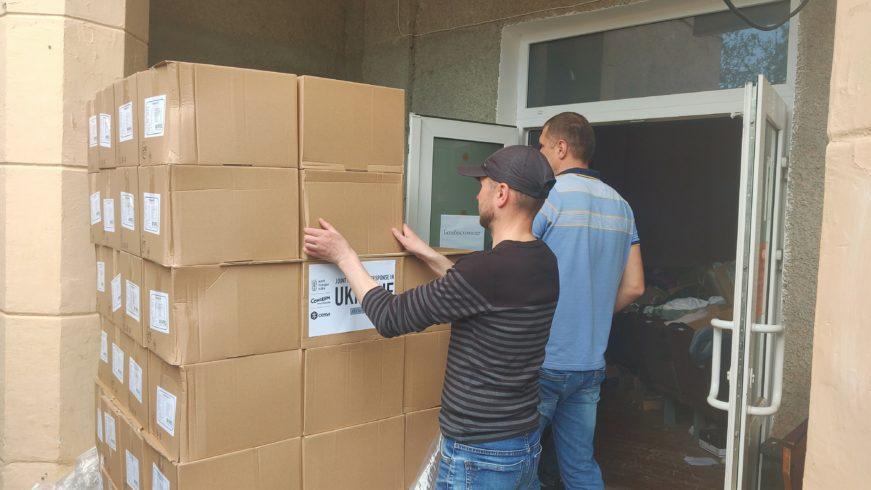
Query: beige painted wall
x,y
54,54
840,428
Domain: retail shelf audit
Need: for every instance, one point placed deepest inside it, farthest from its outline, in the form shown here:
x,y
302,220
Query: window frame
x,y
514,63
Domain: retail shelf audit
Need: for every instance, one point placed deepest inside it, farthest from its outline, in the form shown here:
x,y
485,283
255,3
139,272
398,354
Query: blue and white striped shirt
x,y
590,228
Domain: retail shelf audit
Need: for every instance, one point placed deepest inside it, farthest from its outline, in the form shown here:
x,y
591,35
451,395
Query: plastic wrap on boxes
x,y
85,475
429,470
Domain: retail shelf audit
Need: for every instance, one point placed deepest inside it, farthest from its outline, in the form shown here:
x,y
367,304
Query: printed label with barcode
x,y
109,214
95,208
92,131
132,470
118,362
154,110
109,431
125,122
151,212
101,276
116,293
158,311
158,480
165,415
99,425
132,303
128,211
104,346
106,130
135,379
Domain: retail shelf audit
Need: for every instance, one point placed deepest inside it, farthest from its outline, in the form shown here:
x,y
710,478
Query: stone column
x,y
54,54
840,427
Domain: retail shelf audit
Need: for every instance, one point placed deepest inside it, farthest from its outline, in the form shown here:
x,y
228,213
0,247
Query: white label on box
x,y
132,470
92,131
95,208
118,362
109,431
458,231
158,311
116,293
128,211
332,306
104,346
151,212
154,110
125,122
132,303
99,425
158,481
166,410
101,276
109,213
106,130
135,383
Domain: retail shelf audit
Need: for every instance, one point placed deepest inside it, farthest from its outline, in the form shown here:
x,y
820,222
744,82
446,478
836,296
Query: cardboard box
x,y
720,278
116,290
351,126
132,457
96,203
421,436
276,465
210,312
104,365
135,398
217,115
365,456
352,384
131,277
118,366
104,106
106,480
105,267
193,215
126,185
426,355
205,410
331,313
363,206
92,143
127,117
112,423
111,209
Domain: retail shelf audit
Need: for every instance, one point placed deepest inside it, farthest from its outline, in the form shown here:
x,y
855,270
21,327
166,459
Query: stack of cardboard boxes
x,y
229,360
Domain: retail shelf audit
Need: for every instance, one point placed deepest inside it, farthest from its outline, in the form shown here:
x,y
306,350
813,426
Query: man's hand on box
x,y
410,241
326,243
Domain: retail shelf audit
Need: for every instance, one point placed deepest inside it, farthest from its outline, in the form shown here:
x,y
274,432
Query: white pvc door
x,y
756,367
440,204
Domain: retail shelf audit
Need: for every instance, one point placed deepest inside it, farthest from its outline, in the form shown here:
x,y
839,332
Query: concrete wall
x,y
841,385
54,54
306,37
446,54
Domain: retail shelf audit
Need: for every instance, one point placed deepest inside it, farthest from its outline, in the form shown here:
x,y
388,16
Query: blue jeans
x,y
506,464
568,401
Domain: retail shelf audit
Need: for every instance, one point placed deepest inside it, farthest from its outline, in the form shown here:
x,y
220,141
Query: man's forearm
x,y
359,279
437,262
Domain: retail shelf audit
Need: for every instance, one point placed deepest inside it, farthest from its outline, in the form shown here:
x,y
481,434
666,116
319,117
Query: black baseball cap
x,y
522,168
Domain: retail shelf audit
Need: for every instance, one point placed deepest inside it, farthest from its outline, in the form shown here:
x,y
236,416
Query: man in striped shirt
x,y
500,303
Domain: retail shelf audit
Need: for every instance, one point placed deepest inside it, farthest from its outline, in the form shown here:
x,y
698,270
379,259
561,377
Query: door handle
x,y
777,379
777,376
716,347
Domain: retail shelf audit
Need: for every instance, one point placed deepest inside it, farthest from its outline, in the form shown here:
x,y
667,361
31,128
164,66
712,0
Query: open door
x,y
756,369
440,204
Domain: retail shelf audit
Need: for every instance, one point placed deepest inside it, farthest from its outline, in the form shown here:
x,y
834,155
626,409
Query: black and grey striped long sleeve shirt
x,y
501,305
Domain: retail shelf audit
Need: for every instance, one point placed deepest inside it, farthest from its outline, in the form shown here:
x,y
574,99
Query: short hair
x,y
528,203
576,131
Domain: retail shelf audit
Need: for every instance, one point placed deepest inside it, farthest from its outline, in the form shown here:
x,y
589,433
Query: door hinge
x,y
778,255
784,162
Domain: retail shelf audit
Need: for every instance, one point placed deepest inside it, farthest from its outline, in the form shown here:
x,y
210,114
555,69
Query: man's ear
x,y
502,195
562,148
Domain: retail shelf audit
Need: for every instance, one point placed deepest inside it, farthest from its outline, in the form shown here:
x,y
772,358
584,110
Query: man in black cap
x,y
500,304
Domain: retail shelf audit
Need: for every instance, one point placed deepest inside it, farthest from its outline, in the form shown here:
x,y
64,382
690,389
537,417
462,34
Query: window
x,y
690,54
